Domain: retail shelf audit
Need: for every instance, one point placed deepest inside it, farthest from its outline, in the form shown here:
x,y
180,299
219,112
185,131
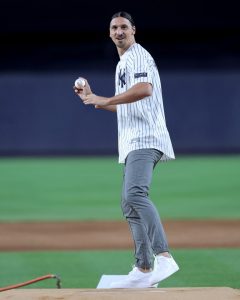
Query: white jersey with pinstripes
x,y
141,124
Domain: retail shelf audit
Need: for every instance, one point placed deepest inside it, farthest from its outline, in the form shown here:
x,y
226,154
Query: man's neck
x,y
121,51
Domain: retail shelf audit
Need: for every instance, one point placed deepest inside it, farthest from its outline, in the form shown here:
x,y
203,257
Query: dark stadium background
x,y
46,45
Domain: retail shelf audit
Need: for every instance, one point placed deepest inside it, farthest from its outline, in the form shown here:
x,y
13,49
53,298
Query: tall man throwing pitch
x,y
143,141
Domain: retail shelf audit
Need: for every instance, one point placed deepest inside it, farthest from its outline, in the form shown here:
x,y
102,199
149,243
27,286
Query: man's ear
x,y
134,29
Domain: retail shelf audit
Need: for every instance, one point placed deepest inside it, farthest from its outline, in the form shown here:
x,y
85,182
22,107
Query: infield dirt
x,y
212,293
89,235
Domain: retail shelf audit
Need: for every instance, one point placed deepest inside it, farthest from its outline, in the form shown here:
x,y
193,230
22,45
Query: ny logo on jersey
x,y
122,78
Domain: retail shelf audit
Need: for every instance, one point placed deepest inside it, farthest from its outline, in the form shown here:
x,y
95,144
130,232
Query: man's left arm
x,y
137,92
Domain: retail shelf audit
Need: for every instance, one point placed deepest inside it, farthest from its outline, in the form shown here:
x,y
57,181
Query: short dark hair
x,y
125,15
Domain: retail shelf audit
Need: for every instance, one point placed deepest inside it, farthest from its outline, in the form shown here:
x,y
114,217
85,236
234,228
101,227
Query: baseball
x,y
79,83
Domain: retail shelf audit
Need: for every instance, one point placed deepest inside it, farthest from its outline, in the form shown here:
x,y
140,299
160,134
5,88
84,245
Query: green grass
x,y
203,267
89,188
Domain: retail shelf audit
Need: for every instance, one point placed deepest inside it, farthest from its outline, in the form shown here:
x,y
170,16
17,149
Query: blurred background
x,y
46,45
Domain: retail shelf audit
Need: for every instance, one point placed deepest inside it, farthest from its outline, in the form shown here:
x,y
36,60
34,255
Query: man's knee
x,y
128,203
136,196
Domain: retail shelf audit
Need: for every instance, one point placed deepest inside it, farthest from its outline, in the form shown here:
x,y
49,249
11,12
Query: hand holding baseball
x,y
81,87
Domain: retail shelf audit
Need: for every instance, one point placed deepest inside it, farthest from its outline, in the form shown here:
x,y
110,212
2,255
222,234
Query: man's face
x,y
122,33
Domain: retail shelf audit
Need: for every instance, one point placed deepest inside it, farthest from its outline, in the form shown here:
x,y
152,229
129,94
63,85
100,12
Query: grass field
x,y
215,267
89,189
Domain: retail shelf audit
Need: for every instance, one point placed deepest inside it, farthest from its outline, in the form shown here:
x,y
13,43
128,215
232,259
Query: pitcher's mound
x,y
210,293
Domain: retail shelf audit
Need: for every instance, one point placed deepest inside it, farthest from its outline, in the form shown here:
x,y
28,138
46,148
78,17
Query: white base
x,y
106,280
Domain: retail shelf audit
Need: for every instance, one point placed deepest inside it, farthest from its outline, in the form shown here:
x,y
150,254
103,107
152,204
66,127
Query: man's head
x,y
122,31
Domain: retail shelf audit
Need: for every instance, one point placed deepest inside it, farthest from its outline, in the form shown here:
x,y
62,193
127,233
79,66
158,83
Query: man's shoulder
x,y
138,50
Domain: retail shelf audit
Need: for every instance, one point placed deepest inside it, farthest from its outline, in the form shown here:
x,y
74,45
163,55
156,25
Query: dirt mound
x,y
212,293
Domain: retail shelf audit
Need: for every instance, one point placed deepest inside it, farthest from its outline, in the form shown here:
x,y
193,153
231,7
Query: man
x,y
143,140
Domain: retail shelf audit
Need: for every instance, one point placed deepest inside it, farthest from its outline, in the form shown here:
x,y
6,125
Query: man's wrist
x,y
110,101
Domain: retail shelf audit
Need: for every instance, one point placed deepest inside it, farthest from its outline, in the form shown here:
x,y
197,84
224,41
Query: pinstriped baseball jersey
x,y
141,124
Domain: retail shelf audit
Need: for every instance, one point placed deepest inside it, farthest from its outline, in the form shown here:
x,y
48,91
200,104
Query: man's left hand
x,y
94,100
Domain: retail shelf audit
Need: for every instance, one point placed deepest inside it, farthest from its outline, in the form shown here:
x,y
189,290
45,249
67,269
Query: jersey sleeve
x,y
141,70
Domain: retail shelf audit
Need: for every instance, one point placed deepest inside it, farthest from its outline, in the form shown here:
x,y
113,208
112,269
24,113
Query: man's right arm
x,y
112,108
86,90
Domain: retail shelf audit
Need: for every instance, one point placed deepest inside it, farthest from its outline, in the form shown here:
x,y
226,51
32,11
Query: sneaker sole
x,y
168,275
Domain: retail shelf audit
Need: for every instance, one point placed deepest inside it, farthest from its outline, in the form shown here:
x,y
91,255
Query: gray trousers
x,y
142,216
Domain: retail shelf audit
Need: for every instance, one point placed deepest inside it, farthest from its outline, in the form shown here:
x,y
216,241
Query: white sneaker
x,y
163,268
135,279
